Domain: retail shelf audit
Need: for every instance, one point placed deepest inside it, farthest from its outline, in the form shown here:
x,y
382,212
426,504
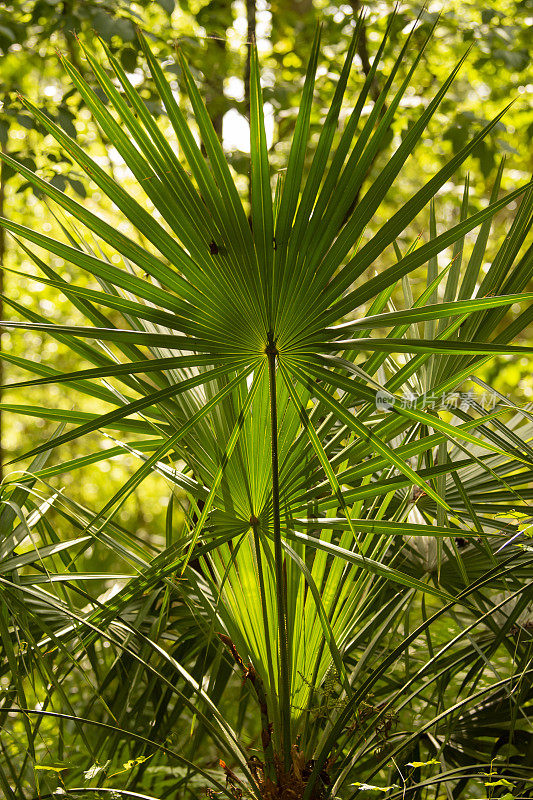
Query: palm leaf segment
x,y
238,352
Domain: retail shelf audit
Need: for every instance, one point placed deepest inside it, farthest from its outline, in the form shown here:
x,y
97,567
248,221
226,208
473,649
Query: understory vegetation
x,y
338,601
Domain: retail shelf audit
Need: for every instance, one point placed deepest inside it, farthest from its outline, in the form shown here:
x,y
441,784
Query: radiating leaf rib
x,y
366,435
375,567
86,351
183,223
467,348
410,262
484,324
339,157
142,168
230,196
157,150
63,415
97,266
260,191
293,177
84,306
124,201
470,277
428,312
360,161
227,216
170,341
387,485
148,466
17,562
123,244
93,458
125,306
52,376
132,408
414,413
232,441
327,631
401,219
197,164
209,322
131,368
317,446
385,527
337,224
410,449
318,165
185,187
377,359
452,281
500,271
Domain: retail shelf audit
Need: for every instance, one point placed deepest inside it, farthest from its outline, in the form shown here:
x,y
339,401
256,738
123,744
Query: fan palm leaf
x,y
322,529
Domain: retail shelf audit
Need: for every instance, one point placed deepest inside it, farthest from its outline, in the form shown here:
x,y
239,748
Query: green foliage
x,y
342,593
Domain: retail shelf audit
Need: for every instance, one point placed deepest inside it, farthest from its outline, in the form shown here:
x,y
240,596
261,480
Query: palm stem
x,y
281,590
267,624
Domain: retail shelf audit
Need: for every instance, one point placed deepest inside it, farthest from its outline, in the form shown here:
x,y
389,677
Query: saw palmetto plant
x,y
345,602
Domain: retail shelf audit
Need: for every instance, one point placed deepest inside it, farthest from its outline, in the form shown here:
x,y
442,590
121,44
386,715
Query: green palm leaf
x,y
341,560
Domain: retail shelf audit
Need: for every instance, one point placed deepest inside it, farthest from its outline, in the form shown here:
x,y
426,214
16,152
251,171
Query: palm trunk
x,y
281,584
